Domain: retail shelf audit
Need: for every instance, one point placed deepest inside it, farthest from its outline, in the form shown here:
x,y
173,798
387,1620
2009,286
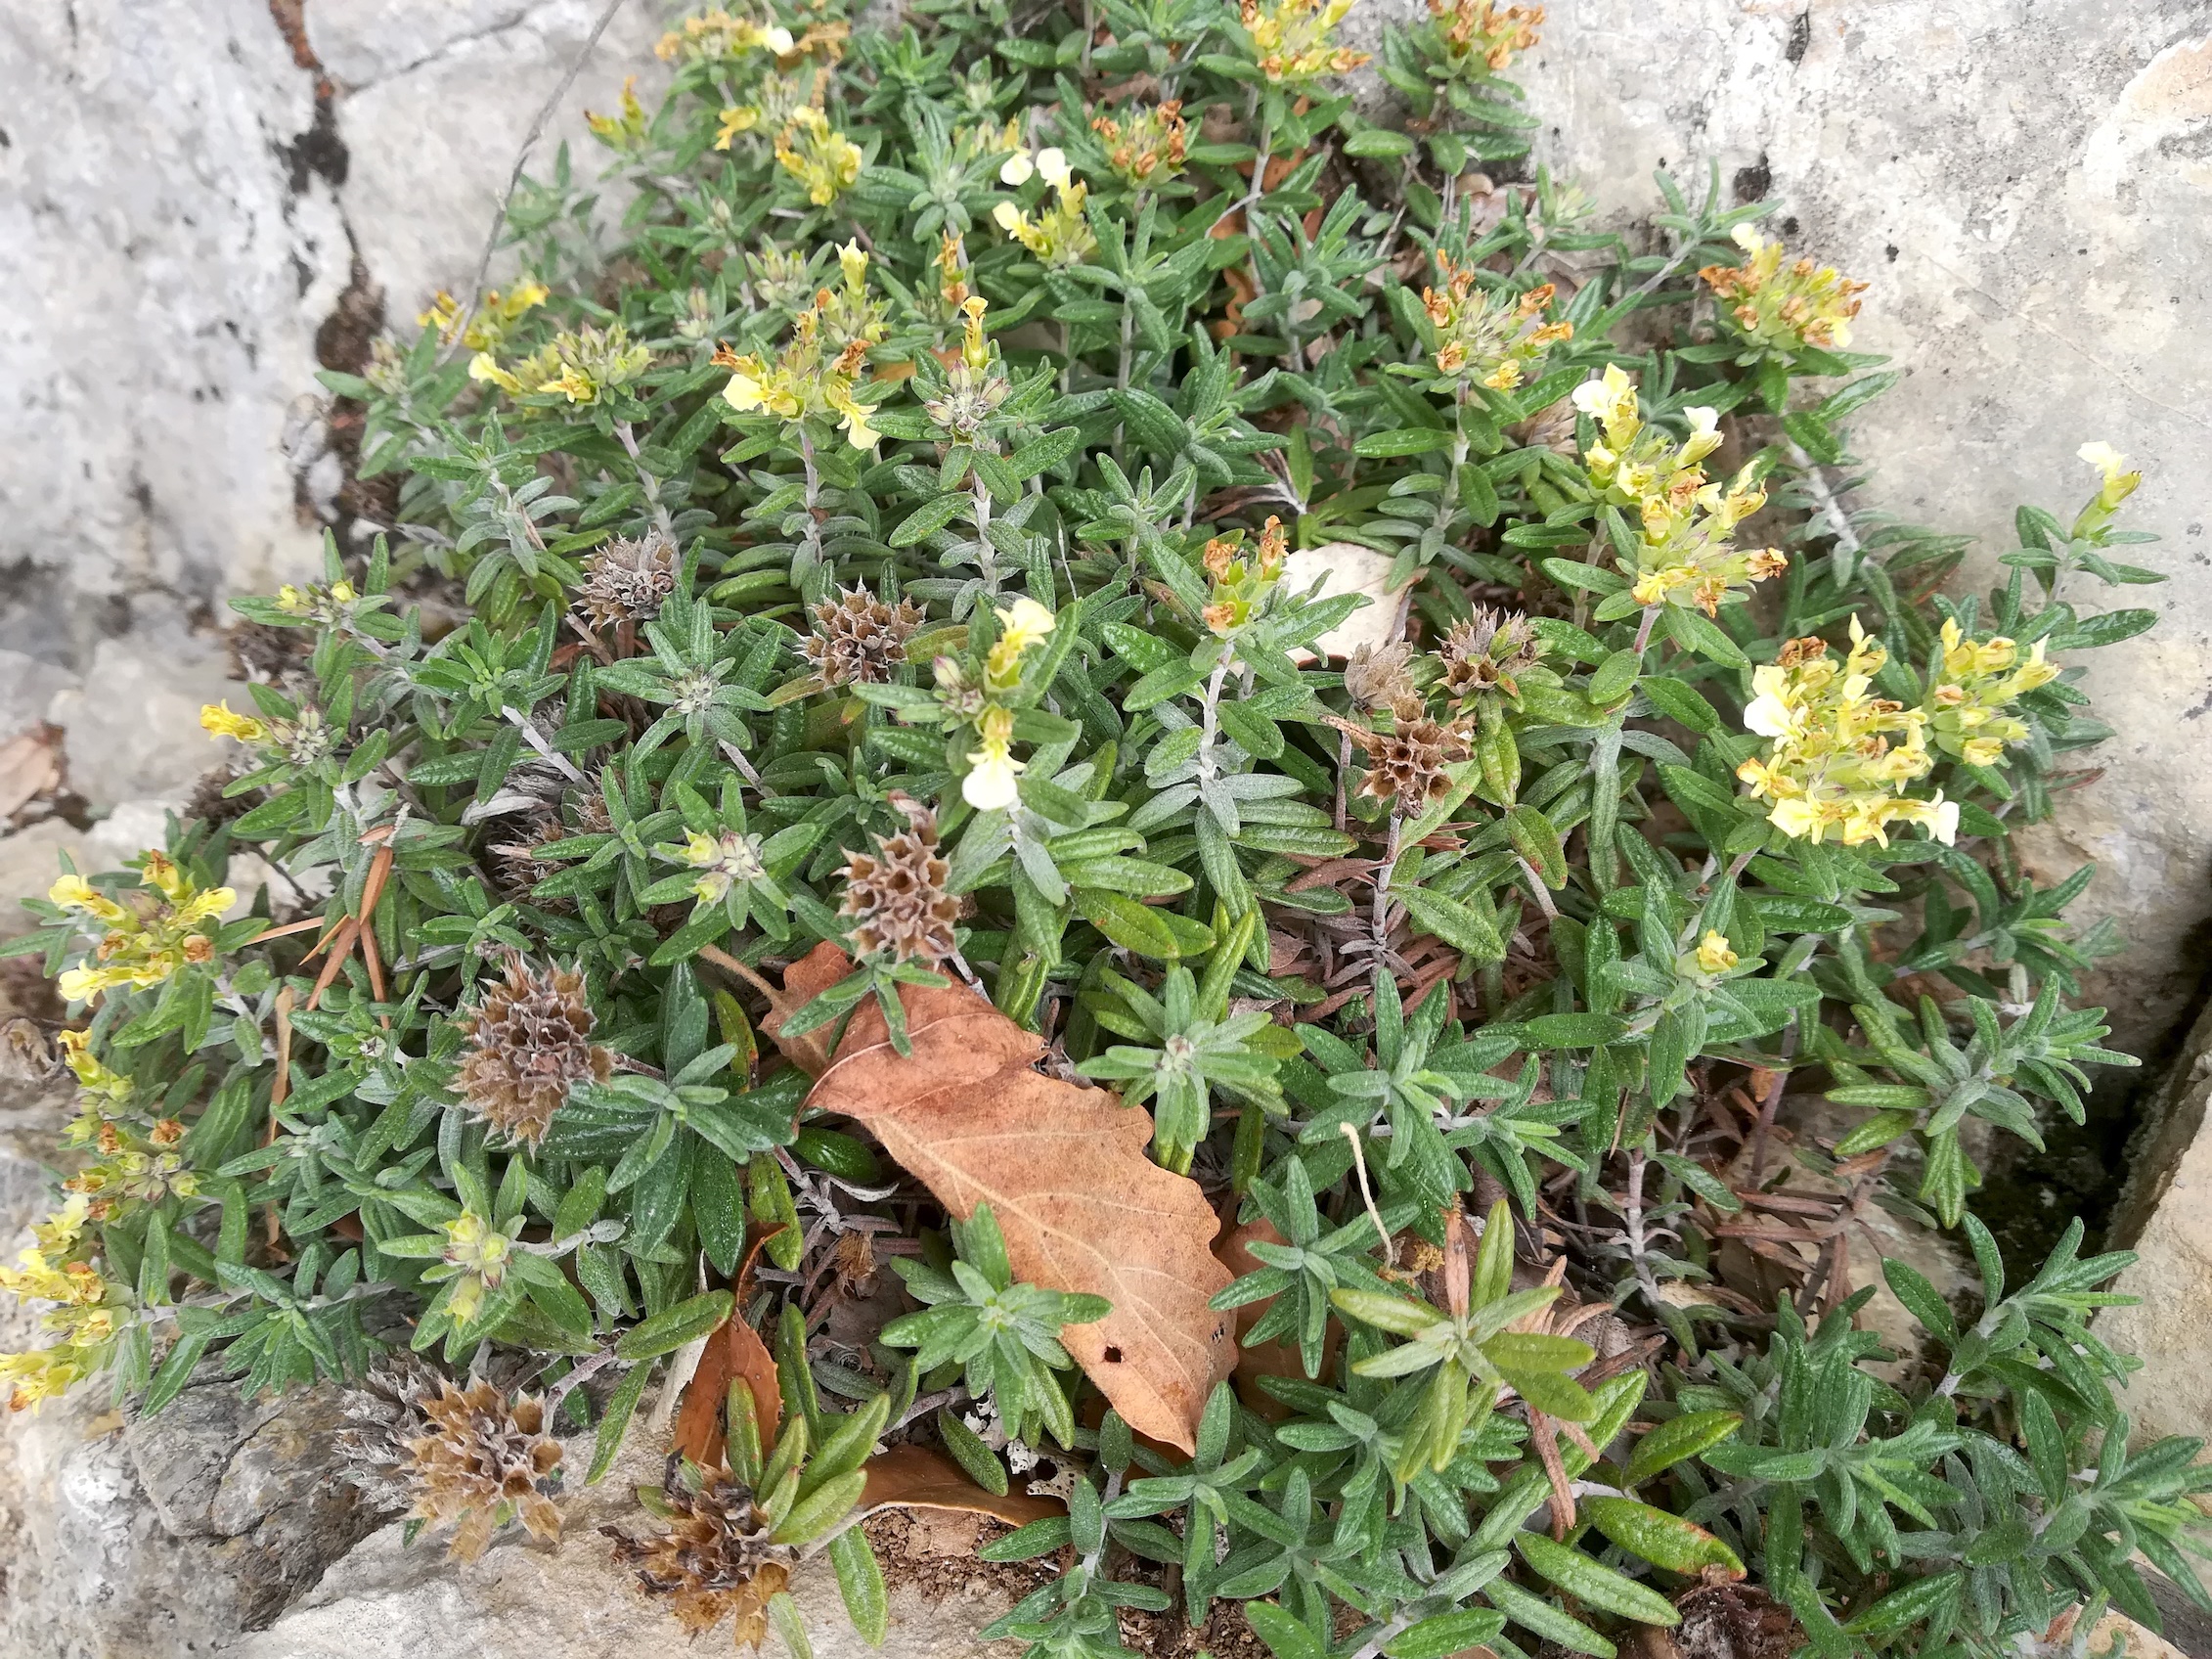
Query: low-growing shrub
x,y
846,676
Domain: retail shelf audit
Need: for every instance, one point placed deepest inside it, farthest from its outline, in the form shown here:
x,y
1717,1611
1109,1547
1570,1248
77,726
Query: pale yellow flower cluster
x,y
1840,758
1290,38
578,366
304,740
817,156
721,861
1059,235
624,132
51,1269
477,1258
493,319
718,34
141,947
1713,954
94,1076
1485,30
991,783
817,375
975,385
1978,678
1686,552
1242,582
1484,336
1781,309
1144,142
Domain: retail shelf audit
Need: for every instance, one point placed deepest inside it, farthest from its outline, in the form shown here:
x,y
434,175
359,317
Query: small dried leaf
x,y
734,1353
922,1477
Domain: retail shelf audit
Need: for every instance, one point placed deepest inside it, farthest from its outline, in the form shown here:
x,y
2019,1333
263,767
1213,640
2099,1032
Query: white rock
x,y
30,861
133,729
1346,567
431,146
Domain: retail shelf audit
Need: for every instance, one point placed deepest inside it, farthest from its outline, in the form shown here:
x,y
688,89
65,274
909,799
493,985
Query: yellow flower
x,y
1024,626
817,156
1060,235
2119,481
217,721
1713,954
74,892
741,117
1796,818
1290,38
1783,310
991,784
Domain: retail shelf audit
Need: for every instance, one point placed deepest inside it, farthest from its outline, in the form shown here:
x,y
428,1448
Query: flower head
x,y
894,898
1713,954
1146,143
629,579
529,1042
1290,39
1485,32
1786,310
1497,339
859,639
716,1559
217,721
1060,235
1686,552
2119,480
484,1462
816,375
817,156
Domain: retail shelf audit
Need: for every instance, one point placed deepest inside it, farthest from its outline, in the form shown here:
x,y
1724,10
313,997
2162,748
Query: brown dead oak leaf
x,y
1064,1171
922,1477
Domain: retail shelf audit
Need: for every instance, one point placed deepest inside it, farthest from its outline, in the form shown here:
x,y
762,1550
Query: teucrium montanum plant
x,y
883,536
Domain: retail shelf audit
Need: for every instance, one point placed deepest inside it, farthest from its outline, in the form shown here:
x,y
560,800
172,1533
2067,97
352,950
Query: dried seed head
x,y
1485,651
860,639
715,1560
484,1463
1407,764
896,899
1375,677
853,1259
627,579
529,1040
516,867
385,1418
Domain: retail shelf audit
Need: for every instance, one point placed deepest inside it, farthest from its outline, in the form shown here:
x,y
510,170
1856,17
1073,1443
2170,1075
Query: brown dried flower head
x,y
715,1560
485,1464
859,639
1375,677
1485,651
385,1418
1407,764
529,1040
896,899
627,579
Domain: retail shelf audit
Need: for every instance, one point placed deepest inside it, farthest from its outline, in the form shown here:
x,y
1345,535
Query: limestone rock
x,y
440,100
170,250
2165,1216
30,861
524,1601
134,729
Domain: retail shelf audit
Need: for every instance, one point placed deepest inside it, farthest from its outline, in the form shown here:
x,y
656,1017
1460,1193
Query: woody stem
x,y
1644,628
